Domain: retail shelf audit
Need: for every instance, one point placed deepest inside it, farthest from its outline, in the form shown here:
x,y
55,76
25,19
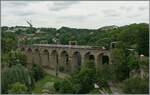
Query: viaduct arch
x,y
64,58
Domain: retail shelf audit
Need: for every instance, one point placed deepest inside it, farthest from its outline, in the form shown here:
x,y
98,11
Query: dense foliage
x,y
14,58
104,74
80,82
14,67
37,72
16,73
133,36
119,61
130,42
17,88
8,41
136,86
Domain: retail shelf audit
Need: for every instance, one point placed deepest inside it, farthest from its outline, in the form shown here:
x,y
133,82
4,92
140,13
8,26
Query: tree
x,y
143,40
13,58
9,41
85,79
16,57
121,69
133,62
37,72
80,82
16,73
104,73
66,87
17,88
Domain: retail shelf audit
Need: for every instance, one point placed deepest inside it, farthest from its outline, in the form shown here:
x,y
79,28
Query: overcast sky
x,y
75,14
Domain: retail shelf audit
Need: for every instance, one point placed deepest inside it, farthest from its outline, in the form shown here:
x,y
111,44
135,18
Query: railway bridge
x,y
64,58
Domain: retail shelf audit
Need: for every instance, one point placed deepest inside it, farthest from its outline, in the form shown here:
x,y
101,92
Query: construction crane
x,y
31,28
29,22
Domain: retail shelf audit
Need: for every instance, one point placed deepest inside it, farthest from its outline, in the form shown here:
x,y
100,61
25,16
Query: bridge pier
x,y
36,57
45,58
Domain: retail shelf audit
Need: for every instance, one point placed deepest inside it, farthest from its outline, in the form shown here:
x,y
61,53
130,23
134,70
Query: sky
x,y
75,14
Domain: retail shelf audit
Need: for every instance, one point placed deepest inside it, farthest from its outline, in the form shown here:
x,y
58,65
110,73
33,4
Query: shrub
x,y
103,75
65,86
84,80
121,69
16,57
37,72
57,85
133,62
17,88
136,85
80,82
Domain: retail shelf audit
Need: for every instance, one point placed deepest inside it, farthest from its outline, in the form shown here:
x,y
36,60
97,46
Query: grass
x,y
42,84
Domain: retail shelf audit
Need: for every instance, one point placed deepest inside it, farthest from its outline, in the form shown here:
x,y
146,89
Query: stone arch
x,y
45,58
89,57
29,55
76,60
103,58
54,59
37,57
64,65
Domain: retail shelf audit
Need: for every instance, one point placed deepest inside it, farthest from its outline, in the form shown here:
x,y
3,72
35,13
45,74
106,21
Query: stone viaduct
x,y
64,58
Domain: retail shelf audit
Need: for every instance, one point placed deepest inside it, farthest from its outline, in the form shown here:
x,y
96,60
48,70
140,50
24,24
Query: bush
x,y
121,69
136,86
17,88
8,41
16,57
104,74
133,62
84,80
80,82
37,72
57,85
65,86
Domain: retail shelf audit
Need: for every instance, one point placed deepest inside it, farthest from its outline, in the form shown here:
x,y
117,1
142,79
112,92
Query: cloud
x,y
79,14
25,13
16,4
142,8
21,3
111,13
126,8
61,5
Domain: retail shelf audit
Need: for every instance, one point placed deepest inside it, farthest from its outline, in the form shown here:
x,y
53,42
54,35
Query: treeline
x,y
135,36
